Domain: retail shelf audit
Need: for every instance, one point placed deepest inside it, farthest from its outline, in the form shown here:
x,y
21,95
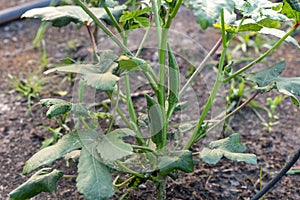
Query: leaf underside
x,y
49,154
43,180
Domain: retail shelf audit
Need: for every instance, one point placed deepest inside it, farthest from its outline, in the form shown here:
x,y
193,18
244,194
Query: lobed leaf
x,y
43,180
94,179
176,160
99,80
49,154
111,147
230,147
63,15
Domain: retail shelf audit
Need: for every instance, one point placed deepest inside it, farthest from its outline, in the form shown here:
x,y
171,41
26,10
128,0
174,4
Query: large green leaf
x,y
176,160
94,179
269,79
49,154
43,180
208,12
156,121
230,148
111,146
63,15
92,75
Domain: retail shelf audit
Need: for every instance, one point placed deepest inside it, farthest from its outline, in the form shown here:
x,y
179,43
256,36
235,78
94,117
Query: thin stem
x,y
142,42
95,49
161,188
200,67
119,111
282,172
129,99
233,112
103,27
114,21
123,183
143,148
157,20
69,176
259,59
215,89
130,171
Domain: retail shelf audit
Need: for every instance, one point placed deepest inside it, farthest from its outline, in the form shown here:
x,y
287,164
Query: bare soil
x,y
21,134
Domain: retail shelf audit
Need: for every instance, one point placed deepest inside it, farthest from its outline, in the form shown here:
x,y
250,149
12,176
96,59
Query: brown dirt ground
x,y
21,135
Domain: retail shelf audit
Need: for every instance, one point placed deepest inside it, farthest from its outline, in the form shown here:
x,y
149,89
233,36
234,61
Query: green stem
x,y
157,20
215,89
123,183
114,21
129,99
130,171
69,176
162,52
143,148
161,188
142,42
103,27
259,59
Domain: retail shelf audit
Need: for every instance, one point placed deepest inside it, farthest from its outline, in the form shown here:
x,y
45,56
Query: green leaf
x,y
269,79
126,63
142,21
56,106
208,12
294,4
289,11
289,87
94,179
92,75
260,9
266,77
43,180
230,148
279,33
111,146
174,80
52,101
79,109
176,160
63,15
156,121
58,109
49,154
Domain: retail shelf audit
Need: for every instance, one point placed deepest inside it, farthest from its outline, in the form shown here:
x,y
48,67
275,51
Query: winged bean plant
x,y
141,148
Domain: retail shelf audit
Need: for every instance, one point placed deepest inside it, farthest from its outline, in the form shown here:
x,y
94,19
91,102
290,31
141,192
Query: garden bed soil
x,y
21,134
